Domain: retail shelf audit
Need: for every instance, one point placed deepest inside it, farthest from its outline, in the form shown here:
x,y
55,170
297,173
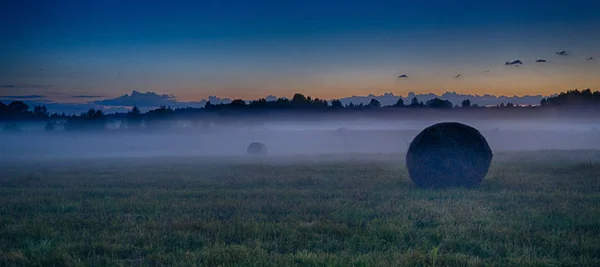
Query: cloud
x,y
590,58
514,62
148,99
562,53
17,97
403,76
486,71
541,61
151,100
271,98
458,76
87,96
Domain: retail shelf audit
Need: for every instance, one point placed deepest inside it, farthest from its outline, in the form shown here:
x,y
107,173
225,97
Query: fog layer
x,y
288,138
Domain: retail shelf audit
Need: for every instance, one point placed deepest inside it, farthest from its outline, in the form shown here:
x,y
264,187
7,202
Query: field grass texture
x,y
533,209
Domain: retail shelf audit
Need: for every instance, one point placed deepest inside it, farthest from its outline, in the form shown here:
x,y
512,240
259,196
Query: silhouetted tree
x,y
259,104
439,103
466,103
237,103
92,120
299,100
336,104
510,105
155,117
319,104
374,103
41,112
16,110
414,103
18,107
283,103
399,103
134,118
573,98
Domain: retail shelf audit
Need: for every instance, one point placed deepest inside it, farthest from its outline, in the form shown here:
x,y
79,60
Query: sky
x,y
79,51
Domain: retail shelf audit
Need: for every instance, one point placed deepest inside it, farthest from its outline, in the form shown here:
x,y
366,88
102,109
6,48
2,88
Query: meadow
x,y
536,208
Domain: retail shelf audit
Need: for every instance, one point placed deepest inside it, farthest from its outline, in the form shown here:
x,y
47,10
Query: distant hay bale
x,y
256,148
448,154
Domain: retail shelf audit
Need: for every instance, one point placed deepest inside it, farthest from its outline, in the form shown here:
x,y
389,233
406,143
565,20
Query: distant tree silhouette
x,y
319,104
92,120
41,112
17,111
18,107
573,98
298,101
3,110
237,103
466,103
134,118
155,118
336,104
283,103
439,103
414,103
399,103
259,104
374,103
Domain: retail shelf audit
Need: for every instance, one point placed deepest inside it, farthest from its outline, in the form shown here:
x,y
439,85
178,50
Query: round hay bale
x,y
448,154
256,148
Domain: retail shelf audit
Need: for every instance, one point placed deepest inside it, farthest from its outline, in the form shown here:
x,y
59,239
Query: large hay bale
x,y
448,154
256,148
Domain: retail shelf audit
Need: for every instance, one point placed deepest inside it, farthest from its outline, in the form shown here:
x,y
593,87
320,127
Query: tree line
x,y
95,119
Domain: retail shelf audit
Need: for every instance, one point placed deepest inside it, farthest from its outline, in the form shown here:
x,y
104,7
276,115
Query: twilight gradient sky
x,y
328,49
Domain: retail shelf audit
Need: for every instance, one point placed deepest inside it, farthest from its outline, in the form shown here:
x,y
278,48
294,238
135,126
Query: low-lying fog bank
x,y
287,139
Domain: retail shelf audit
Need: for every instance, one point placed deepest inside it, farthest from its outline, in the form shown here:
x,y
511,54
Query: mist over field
x,y
289,138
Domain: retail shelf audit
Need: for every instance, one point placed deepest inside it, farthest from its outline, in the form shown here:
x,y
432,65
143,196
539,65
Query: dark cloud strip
x,y
519,62
562,53
139,99
87,96
541,61
403,76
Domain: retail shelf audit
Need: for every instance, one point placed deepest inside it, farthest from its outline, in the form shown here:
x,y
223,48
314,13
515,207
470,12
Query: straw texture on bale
x,y
448,154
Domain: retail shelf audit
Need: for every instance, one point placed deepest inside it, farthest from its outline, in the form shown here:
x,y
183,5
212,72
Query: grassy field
x,y
533,209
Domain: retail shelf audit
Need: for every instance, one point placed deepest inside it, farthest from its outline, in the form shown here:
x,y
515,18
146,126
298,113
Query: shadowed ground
x,y
533,209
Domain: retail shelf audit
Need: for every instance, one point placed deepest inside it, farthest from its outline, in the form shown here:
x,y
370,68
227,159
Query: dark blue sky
x,y
323,48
